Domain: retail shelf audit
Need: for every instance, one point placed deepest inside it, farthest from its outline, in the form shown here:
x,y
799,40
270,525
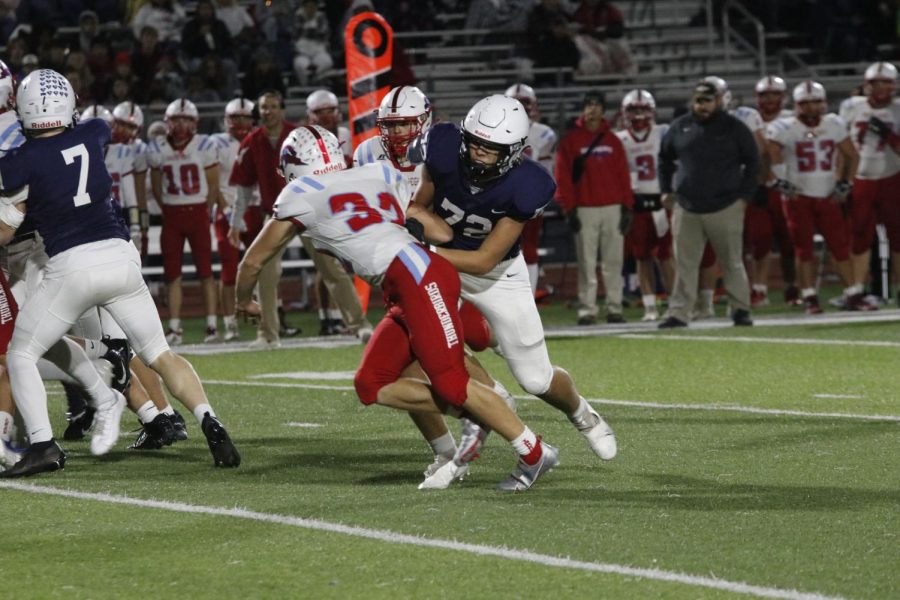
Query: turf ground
x,y
760,462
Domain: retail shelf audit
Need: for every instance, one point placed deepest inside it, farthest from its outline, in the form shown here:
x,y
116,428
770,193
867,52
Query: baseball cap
x,y
704,89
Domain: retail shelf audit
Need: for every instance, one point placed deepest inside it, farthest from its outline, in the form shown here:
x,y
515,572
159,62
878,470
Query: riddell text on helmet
x,y
328,169
48,125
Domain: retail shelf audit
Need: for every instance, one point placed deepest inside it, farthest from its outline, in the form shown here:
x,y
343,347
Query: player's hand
x,y
415,229
841,191
785,187
248,312
879,128
626,220
234,237
574,222
668,201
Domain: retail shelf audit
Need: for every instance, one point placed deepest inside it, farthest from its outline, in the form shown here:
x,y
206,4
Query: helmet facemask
x,y
181,129
638,118
770,102
396,142
810,112
480,173
238,126
123,132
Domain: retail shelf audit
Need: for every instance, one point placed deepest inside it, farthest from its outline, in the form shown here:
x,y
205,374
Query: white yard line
x,y
304,425
759,340
399,538
609,401
317,375
839,396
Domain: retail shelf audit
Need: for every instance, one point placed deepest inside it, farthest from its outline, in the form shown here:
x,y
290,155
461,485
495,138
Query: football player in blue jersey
x,y
477,179
92,263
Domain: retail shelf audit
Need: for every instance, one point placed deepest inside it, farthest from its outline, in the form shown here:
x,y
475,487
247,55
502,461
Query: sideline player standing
x,y
356,215
477,181
92,263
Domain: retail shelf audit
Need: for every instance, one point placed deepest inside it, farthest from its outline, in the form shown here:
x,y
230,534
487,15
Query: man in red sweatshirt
x,y
594,191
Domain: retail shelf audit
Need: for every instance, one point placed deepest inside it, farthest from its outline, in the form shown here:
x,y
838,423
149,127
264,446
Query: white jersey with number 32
x,y
642,158
810,153
876,159
355,214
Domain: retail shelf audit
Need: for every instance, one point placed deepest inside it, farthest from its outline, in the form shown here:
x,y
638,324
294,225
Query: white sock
x,y
168,410
807,292
322,315
534,272
6,426
201,410
649,301
758,287
211,321
526,443
581,412
70,357
31,400
175,324
229,320
706,297
444,445
853,290
147,412
94,349
335,314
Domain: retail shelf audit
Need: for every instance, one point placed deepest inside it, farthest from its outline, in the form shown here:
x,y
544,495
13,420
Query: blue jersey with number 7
x,y
69,186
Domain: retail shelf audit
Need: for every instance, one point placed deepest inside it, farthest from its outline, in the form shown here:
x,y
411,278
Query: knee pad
x,y
535,382
367,387
451,386
476,330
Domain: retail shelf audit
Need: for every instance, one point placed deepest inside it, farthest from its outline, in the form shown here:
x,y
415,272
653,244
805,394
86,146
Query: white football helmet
x,y
320,100
310,150
884,71
721,88
524,94
402,105
45,100
7,87
95,111
770,84
183,129
638,109
497,123
809,102
156,129
128,118
239,107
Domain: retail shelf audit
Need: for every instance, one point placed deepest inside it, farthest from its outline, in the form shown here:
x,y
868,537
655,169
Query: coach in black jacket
x,y
716,173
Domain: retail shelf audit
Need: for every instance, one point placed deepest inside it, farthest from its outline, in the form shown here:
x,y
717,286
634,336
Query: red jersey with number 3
x,y
642,153
183,171
876,159
810,153
355,214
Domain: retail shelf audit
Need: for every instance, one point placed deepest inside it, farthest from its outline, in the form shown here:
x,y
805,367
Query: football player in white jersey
x,y
804,152
874,122
184,176
128,119
358,215
765,220
238,123
541,146
335,289
650,233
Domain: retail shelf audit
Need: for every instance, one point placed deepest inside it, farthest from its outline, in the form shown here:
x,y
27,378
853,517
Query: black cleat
x,y
80,424
223,451
180,427
672,323
284,329
118,354
76,401
38,458
154,435
742,318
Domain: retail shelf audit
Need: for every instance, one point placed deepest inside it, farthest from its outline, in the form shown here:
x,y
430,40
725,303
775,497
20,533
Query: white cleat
x,y
600,436
174,338
106,425
9,455
212,335
444,476
232,333
439,461
526,475
471,439
650,316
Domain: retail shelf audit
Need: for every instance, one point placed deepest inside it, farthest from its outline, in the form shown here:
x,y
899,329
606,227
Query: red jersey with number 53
x,y
810,153
876,159
642,155
183,171
355,214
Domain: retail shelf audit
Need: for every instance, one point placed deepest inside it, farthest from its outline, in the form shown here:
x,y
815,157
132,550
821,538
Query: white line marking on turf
x,y
320,375
307,425
399,538
760,340
839,396
630,403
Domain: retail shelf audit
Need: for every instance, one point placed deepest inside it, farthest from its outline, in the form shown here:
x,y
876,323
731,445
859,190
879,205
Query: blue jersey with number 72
x,y
69,186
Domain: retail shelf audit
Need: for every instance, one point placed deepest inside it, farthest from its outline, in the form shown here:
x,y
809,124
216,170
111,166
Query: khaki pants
x,y
340,286
267,292
599,230
725,231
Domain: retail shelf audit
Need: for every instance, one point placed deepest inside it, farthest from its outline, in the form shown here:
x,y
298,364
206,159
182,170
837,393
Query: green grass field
x,y
767,466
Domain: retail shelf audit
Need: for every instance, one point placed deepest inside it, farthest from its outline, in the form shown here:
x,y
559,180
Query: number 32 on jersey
x,y
359,212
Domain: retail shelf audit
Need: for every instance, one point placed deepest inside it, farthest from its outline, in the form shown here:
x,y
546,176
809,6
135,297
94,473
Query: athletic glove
x,y
625,220
785,187
842,189
574,222
415,229
880,128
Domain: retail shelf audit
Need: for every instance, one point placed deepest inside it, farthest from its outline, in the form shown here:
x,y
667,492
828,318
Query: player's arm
x,y
213,193
12,213
848,160
498,242
436,229
156,184
273,237
424,194
775,157
763,146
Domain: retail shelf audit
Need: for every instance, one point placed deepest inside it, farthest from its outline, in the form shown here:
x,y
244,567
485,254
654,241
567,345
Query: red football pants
x,y
188,222
875,201
805,215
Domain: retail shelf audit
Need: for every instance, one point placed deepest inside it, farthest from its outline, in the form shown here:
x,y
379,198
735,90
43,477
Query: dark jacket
x,y
718,162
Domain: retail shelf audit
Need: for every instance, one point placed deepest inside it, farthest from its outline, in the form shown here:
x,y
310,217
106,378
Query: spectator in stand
x,y
8,23
278,25
99,61
599,19
29,63
167,83
405,15
54,58
122,68
167,17
241,27
263,75
145,60
554,47
205,34
16,49
88,31
601,39
594,191
216,76
120,91
82,91
313,57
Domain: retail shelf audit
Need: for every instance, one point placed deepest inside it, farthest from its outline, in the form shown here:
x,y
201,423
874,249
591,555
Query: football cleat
x,y
174,338
672,323
231,332
812,305
264,344
741,318
223,451
106,425
758,298
154,435
180,427
38,458
858,302
650,316
118,354
9,455
439,461
598,433
524,476
471,439
79,425
792,296
444,476
212,335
